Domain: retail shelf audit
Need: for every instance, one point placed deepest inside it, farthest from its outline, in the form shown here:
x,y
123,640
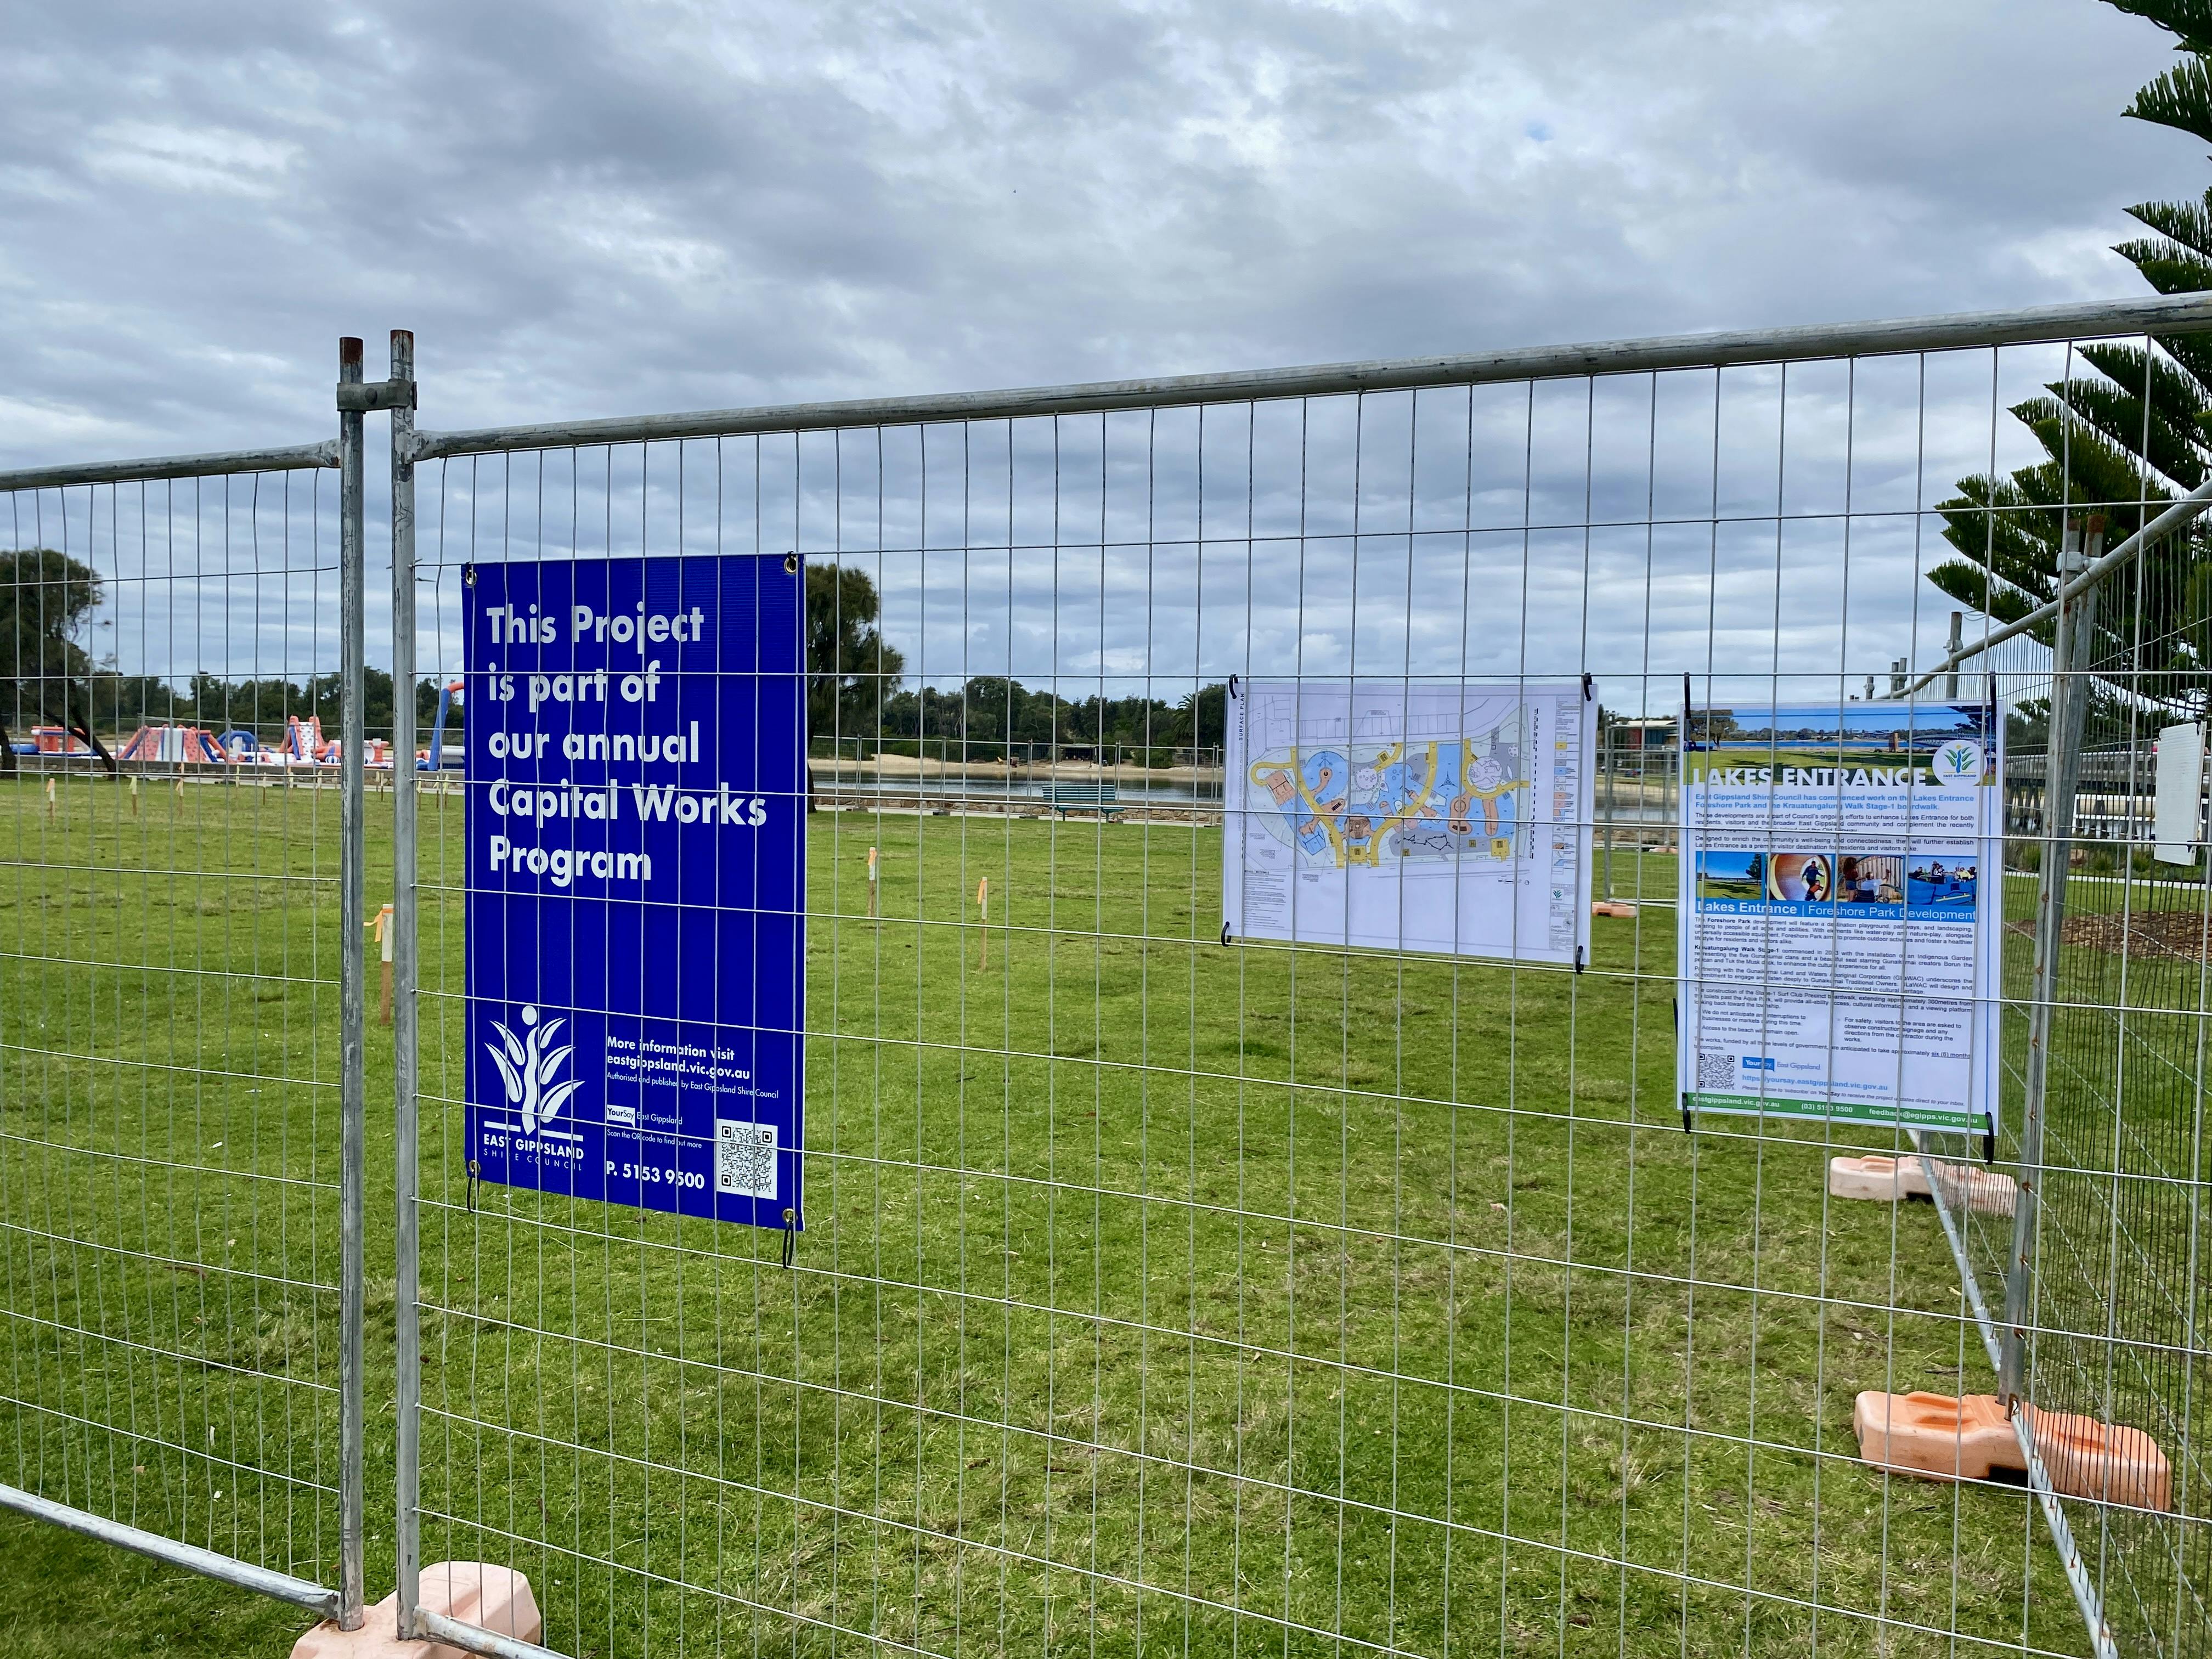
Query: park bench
x,y
1102,799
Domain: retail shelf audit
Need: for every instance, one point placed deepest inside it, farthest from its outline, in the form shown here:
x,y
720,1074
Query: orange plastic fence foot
x,y
1936,1435
492,1598
2101,1461
1985,1192
1888,1179
1614,908
1883,1180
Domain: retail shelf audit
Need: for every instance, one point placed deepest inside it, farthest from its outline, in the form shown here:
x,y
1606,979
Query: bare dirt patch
x,y
2146,935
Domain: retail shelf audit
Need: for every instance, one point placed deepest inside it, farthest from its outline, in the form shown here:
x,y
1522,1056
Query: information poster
x,y
636,892
1841,899
1397,816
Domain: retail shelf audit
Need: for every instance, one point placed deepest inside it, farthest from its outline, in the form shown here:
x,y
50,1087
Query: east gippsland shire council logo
x,y
1958,764
528,1065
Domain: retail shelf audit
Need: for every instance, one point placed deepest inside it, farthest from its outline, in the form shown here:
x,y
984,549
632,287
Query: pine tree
x,y
2122,439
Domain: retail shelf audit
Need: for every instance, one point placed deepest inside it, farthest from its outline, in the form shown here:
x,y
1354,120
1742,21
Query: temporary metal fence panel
x,y
1159,1286
1155,1280
2096,1286
181,958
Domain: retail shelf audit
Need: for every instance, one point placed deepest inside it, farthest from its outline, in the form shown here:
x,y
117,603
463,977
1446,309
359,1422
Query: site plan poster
x,y
1841,894
636,865
1405,816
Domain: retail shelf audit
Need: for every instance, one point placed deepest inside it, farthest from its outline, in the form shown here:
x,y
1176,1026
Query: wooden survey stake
x,y
983,903
383,929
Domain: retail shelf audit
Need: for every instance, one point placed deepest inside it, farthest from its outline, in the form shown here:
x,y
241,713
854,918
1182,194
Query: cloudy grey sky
x,y
594,209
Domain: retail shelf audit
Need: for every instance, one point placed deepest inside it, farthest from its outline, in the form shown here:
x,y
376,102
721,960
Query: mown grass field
x,y
1155,1293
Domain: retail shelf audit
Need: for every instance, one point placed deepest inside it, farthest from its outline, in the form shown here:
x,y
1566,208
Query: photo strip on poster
x,y
1391,815
1841,894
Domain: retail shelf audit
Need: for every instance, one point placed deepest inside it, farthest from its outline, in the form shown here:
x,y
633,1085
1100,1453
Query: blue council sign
x,y
637,882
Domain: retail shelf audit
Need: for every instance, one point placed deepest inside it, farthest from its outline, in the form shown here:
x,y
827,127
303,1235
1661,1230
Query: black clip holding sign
x,y
1231,693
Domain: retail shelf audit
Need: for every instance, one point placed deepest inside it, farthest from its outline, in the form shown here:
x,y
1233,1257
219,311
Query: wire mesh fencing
x,y
1193,1243
1079,1020
2103,1274
172,873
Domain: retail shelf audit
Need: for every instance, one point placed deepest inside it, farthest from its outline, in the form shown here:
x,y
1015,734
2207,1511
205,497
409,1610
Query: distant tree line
x,y
993,710
855,685
856,690
47,678
118,703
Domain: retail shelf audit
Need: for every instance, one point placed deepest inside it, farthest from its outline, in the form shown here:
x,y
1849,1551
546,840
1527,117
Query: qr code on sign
x,y
1715,1071
744,1158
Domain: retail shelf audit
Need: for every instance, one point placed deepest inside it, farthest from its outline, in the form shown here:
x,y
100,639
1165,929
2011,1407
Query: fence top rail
x,y
2167,313
285,458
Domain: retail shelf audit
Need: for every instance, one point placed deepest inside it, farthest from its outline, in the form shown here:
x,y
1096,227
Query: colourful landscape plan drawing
x,y
1452,818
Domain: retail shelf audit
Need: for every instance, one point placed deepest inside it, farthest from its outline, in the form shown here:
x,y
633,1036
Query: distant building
x,y
1653,733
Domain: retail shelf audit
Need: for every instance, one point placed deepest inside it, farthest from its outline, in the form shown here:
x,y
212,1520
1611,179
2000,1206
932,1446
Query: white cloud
x,y
588,210
174,159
